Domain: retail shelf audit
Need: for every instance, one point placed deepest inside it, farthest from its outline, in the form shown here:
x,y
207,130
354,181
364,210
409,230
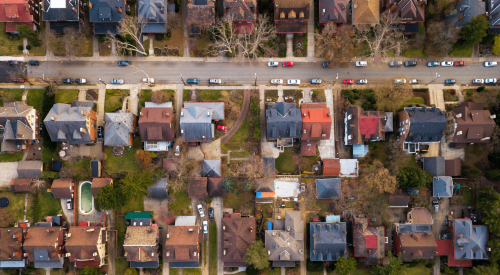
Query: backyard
x,y
213,248
48,206
78,169
122,163
181,203
14,212
66,96
146,97
15,157
285,162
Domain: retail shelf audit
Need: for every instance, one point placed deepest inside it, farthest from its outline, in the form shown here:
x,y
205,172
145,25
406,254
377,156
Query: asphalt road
x,y
5,68
239,73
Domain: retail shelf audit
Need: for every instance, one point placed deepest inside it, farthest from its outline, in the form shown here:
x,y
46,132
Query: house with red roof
x,y
86,245
368,241
19,12
243,13
331,167
316,125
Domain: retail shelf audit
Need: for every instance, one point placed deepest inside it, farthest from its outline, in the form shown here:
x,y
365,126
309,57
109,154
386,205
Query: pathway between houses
x,y
239,121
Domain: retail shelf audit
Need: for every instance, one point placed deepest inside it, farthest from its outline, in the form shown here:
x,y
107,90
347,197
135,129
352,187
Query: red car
x,y
18,80
220,127
459,63
287,64
348,81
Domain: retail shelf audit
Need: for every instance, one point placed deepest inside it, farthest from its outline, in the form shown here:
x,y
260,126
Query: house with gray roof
x,y
328,241
421,126
159,189
154,15
442,187
328,188
285,242
465,10
63,14
19,123
196,120
469,241
493,8
434,165
284,121
29,169
119,129
211,168
74,125
105,15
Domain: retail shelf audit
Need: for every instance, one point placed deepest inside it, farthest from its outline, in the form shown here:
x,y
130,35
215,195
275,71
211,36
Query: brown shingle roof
x,y
453,167
30,169
141,242
237,235
62,188
308,148
214,187
366,12
155,124
197,188
181,244
98,183
368,241
419,215
82,245
21,185
474,125
264,185
11,242
44,238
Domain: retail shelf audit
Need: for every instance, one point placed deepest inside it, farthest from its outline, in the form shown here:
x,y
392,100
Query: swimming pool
x,y
86,199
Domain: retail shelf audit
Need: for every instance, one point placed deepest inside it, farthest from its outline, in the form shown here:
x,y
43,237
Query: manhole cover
x,y
4,202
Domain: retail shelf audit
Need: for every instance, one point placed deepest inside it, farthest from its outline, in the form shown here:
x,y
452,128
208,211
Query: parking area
x,y
5,68
439,217
9,172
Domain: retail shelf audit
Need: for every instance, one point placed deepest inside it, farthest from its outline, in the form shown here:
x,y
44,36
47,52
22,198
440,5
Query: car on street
x,y
193,81
435,204
361,63
100,132
67,80
80,81
490,81
288,64
148,80
432,64
414,81
326,64
362,81
276,81
205,227
200,210
215,81
117,81
410,63
396,63
490,64
478,81
33,63
13,62
123,63
316,81
293,82
18,80
449,81
177,151
348,81
220,127
447,63
211,213
459,63
69,204
273,64
399,80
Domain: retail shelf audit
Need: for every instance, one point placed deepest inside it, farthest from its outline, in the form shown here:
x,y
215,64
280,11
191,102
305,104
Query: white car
x,y
276,81
362,81
215,81
490,81
447,63
361,63
200,210
477,81
68,204
490,64
414,81
177,151
399,80
293,82
148,80
117,81
205,227
273,64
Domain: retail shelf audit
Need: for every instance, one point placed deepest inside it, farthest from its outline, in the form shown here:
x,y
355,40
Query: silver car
x,y
273,64
478,81
447,63
361,63
277,81
399,80
117,81
490,81
293,82
362,81
490,64
200,210
215,81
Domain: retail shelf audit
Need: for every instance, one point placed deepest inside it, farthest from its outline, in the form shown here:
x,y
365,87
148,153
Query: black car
x,y
100,131
67,80
33,63
326,64
410,63
13,62
211,213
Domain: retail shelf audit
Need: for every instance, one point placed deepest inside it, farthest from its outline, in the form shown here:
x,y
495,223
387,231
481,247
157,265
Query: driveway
x,y
9,172
217,206
436,96
439,218
70,214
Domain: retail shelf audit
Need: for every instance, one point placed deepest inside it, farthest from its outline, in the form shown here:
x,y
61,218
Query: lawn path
x,y
239,121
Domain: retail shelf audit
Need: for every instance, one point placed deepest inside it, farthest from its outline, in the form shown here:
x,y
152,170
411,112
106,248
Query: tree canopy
x,y
136,184
378,178
256,255
390,96
474,31
395,267
336,43
484,270
88,270
494,244
492,219
488,198
345,266
28,33
413,177
496,46
109,197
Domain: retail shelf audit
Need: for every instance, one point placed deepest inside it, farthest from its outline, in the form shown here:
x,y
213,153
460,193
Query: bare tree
x,y
378,179
225,38
440,37
253,40
383,41
336,44
130,27
159,96
73,40
391,95
251,169
174,21
200,17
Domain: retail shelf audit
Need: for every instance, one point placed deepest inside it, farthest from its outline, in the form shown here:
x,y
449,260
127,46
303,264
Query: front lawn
x,y
114,99
461,49
209,95
10,42
284,163
242,134
318,95
35,98
181,204
416,53
121,265
191,271
66,96
145,97
11,95
15,157
123,163
212,231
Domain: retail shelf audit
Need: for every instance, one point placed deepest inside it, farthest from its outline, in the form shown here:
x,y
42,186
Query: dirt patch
x,y
224,93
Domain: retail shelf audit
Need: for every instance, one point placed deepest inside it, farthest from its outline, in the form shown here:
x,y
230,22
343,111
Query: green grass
x,y
81,168
318,95
244,154
209,95
145,97
35,98
461,49
114,99
173,271
416,100
48,206
191,271
205,252
11,157
133,204
418,270
186,96
421,28
266,215
9,47
121,265
212,231
310,162
242,133
10,95
284,163
181,203
123,163
415,53
467,196
14,212
66,96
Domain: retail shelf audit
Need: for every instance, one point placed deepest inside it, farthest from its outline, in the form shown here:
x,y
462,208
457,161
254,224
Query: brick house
x,y
291,16
86,246
332,11
243,13
316,125
237,235
20,12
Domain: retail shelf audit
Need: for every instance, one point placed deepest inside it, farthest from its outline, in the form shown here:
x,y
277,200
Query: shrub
x,y
449,270
475,171
470,93
20,47
50,175
465,172
208,200
314,266
493,174
159,37
453,92
28,47
282,53
46,155
480,89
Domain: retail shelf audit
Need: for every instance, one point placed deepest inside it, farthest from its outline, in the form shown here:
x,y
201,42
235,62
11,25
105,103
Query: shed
x,y
30,169
159,189
21,185
95,167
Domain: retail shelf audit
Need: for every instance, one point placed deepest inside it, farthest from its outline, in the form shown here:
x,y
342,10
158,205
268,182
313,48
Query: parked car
x,y
200,210
67,80
220,127
432,64
276,81
123,63
293,82
13,62
490,81
326,64
478,81
414,81
399,80
177,151
410,63
361,63
193,81
148,80
447,63
273,64
205,227
362,81
490,64
396,63
18,80
100,132
210,213
33,63
435,204
348,81
69,204
80,81
117,81
288,64
215,81
316,81
459,63
449,81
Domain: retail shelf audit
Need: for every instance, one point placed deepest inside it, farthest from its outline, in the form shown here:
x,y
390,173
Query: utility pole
x,y
183,80
102,81
255,80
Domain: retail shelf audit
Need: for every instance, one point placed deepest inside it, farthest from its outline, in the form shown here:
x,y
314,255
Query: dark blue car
x,y
211,213
193,81
123,63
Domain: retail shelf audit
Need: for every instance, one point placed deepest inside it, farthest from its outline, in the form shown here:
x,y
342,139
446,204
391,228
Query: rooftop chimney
x,y
120,10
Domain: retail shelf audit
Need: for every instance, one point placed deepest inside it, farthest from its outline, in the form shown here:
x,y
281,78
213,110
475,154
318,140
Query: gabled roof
x,y
331,167
419,215
332,11
366,12
328,241
427,124
316,121
197,188
414,239
408,10
181,244
494,14
290,10
18,130
66,123
469,241
200,12
399,199
155,124
214,187
368,241
61,188
434,165
159,189
83,243
328,188
442,187
465,10
264,184
196,120
118,128
141,243
15,11
237,235
154,14
241,10
473,124
453,167
105,15
61,10
362,126
21,185
287,244
98,183
11,244
41,240
284,120
308,148
212,168
29,169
